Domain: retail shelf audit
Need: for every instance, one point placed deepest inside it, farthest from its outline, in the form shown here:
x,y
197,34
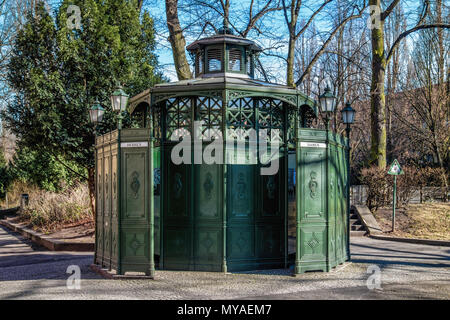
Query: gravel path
x,y
407,271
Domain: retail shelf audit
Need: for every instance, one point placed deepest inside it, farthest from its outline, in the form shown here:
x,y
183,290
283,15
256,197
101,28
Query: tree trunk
x,y
440,31
290,62
91,186
377,96
177,41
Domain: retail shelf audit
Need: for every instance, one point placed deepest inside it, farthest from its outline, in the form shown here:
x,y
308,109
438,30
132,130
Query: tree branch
x,y
312,18
324,46
389,9
407,32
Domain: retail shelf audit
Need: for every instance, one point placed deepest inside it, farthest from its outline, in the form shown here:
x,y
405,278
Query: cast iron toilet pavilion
x,y
224,216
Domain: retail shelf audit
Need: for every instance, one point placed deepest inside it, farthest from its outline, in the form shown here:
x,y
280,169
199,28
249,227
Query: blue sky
x,y
276,25
156,9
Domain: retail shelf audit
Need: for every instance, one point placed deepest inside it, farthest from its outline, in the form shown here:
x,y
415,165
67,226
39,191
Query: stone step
x,y
357,227
357,233
355,222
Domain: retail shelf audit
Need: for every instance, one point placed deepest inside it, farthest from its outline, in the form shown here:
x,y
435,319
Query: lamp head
x,y
119,99
327,101
348,114
96,112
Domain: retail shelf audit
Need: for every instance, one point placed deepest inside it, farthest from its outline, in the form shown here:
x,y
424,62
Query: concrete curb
x,y
442,243
45,241
107,274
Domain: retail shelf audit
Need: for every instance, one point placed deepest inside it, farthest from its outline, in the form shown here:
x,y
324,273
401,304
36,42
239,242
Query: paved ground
x,y
408,271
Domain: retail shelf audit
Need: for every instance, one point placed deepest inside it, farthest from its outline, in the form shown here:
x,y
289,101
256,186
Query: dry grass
x,y
423,221
51,211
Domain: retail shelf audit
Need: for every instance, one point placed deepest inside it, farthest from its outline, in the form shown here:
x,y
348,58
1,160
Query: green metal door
x,y
208,186
256,236
177,218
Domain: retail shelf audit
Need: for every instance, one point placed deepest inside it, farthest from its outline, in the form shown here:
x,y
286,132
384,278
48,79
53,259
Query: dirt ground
x,y
423,221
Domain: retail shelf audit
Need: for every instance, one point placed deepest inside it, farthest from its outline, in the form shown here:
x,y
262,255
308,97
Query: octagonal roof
x,y
224,38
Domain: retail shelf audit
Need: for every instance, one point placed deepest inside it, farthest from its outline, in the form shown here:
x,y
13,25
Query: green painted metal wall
x,y
123,201
322,240
219,217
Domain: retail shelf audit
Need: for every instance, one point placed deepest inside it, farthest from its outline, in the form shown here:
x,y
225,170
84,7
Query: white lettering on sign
x,y
313,144
134,144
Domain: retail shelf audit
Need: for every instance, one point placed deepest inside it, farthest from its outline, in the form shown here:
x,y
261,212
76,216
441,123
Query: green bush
x,y
43,170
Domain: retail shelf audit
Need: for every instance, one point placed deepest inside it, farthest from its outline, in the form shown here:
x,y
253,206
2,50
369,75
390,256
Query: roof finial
x,y
226,29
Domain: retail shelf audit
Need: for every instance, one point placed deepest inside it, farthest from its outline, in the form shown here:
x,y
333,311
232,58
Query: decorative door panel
x,y
99,243
208,195
313,184
241,243
241,192
177,190
114,244
107,243
135,173
135,245
271,191
177,244
208,246
107,182
313,240
270,241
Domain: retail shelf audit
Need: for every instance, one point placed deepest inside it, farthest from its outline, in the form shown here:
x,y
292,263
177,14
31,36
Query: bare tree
x,y
292,14
422,108
379,62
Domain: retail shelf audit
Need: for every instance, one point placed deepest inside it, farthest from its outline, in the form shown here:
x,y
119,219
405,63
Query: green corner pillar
x,y
297,196
151,271
119,204
224,202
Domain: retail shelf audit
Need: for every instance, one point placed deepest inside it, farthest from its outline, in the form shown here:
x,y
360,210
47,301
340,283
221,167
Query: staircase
x,y
356,227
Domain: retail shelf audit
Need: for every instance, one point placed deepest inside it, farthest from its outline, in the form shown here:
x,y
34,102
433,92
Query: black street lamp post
x,y
348,117
96,113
